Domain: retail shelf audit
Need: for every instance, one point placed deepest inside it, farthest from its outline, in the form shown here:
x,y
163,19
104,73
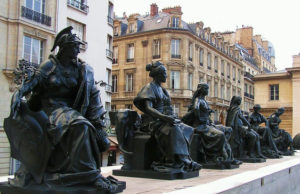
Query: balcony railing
x,y
155,56
108,88
201,64
130,60
251,96
79,5
190,59
248,75
246,94
110,21
109,54
176,56
36,16
209,67
216,71
228,76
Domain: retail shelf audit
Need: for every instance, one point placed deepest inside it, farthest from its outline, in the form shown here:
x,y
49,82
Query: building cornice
x,y
175,30
272,76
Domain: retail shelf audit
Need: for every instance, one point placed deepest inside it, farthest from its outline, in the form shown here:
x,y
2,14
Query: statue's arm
x,y
244,120
155,113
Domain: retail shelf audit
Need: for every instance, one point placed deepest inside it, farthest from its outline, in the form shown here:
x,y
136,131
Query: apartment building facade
x,y
190,52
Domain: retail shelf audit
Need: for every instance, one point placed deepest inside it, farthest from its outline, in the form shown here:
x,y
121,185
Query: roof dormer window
x,y
175,22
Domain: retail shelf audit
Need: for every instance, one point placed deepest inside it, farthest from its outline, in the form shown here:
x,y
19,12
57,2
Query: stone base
x,y
252,160
6,188
156,175
219,166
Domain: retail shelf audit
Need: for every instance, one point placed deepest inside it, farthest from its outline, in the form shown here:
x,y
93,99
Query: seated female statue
x,y
268,146
172,137
244,140
64,90
213,141
282,139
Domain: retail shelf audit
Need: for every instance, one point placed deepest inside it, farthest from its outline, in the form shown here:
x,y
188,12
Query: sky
x,y
277,21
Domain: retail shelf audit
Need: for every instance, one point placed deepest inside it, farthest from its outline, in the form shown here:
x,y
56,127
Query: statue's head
x,y
67,42
202,89
236,100
157,71
280,111
256,107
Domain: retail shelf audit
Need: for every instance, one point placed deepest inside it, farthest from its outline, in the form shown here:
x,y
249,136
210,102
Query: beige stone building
x,y
258,56
280,89
190,52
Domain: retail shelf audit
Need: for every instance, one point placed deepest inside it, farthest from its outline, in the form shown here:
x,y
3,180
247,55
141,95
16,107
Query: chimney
x,y
153,9
173,10
296,61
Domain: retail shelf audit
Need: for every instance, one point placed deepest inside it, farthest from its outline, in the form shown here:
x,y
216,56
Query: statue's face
x,y
238,101
204,91
72,50
161,77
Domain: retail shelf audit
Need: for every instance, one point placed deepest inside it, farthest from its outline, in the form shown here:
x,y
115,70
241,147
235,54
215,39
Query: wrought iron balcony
x,y
130,60
155,56
79,5
109,54
246,94
216,71
176,56
248,75
110,21
209,67
190,59
36,16
201,64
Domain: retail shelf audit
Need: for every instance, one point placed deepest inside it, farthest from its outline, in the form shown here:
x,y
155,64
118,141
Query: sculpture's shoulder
x,y
48,66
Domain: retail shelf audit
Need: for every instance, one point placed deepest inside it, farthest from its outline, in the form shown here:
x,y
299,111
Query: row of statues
x,y
56,129
241,140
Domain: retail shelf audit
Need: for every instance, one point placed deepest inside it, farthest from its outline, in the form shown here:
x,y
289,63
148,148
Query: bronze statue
x,y
157,146
282,139
268,146
172,136
213,146
244,141
57,133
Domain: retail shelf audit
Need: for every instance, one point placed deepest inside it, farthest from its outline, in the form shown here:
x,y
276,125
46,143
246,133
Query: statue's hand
x,y
169,119
15,104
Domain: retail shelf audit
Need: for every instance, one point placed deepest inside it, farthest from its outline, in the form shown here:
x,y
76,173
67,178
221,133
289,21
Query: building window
x,y
233,73
78,29
175,48
33,50
156,49
130,53
115,55
128,106
274,92
79,4
222,94
175,22
239,75
228,93
190,81
129,82
109,52
216,64
114,83
216,88
110,20
201,54
209,85
190,51
228,70
201,79
113,107
222,67
108,87
176,109
36,5
208,61
175,79
131,28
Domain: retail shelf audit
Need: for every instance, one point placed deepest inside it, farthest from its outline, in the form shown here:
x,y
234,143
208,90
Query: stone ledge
x,y
274,176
